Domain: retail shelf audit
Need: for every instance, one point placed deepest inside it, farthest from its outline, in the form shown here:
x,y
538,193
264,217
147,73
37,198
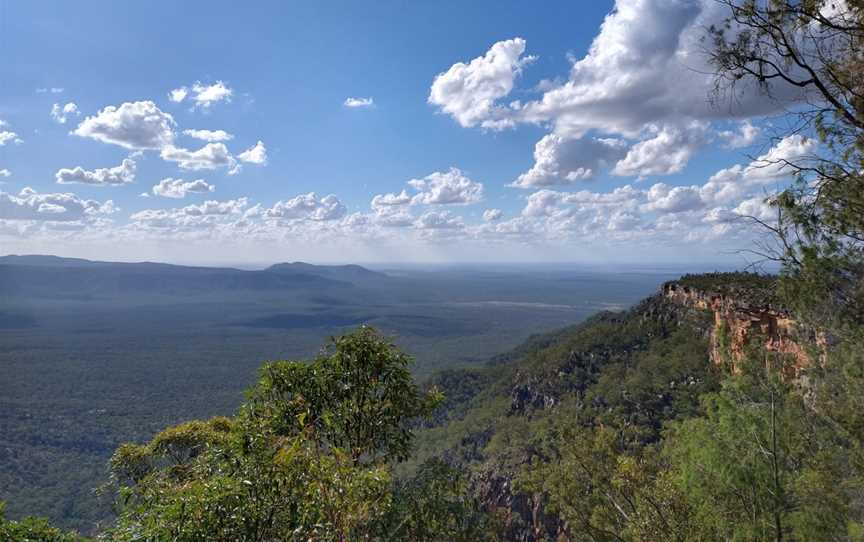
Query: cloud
x,y
118,175
665,153
673,200
544,203
7,136
178,188
777,162
563,161
254,155
307,207
756,207
61,113
393,217
5,173
217,208
645,80
178,94
744,137
202,95
646,66
731,183
210,156
52,90
439,220
191,216
56,207
492,215
391,200
209,135
451,187
661,213
133,125
359,103
469,92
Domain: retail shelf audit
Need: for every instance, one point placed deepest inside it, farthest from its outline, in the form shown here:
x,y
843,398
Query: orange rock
x,y
738,326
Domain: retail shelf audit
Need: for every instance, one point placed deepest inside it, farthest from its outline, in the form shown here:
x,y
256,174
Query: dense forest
x,y
725,407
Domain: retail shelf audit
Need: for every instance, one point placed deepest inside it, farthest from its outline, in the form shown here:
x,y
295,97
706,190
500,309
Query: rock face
x,y
523,515
740,326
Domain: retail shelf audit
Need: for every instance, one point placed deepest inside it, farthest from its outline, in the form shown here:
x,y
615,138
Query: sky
x,y
382,131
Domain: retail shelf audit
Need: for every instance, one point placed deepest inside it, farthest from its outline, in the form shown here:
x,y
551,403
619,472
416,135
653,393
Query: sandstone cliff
x,y
750,324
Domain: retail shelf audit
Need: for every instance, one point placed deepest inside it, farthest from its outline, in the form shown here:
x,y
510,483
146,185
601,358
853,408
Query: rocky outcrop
x,y
525,396
742,326
522,515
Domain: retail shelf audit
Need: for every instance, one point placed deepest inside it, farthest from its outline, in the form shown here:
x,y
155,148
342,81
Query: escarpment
x,y
632,372
748,320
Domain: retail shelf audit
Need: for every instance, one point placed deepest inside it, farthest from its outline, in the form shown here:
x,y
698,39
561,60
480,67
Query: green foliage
x,y
32,529
355,397
604,492
762,465
436,506
751,288
307,458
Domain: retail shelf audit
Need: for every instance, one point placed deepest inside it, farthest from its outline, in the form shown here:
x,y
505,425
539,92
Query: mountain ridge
x,y
47,276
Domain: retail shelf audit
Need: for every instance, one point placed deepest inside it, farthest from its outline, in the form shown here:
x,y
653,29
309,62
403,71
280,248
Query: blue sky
x,y
626,142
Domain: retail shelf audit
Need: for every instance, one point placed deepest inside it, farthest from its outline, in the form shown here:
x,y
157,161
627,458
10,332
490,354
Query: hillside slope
x,y
634,371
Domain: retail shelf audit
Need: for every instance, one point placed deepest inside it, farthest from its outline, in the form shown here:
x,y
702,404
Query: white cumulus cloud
x,y
450,187
58,207
210,156
665,153
358,103
178,94
562,161
118,175
62,113
307,207
178,188
203,96
492,215
212,136
7,136
254,155
743,137
391,200
438,220
132,125
469,92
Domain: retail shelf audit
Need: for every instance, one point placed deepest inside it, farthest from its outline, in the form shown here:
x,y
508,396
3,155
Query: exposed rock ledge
x,y
740,326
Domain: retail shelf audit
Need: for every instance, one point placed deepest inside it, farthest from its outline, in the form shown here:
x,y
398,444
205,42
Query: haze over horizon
x,y
345,133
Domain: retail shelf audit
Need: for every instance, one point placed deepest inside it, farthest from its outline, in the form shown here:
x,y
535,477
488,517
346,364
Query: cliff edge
x,y
748,318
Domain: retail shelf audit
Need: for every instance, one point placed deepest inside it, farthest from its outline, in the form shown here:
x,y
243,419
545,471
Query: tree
x,y
816,49
810,51
605,492
357,397
32,529
307,458
435,505
761,465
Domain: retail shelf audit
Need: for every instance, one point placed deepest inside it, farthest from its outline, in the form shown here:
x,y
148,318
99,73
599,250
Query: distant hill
x,y
45,260
46,276
339,272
